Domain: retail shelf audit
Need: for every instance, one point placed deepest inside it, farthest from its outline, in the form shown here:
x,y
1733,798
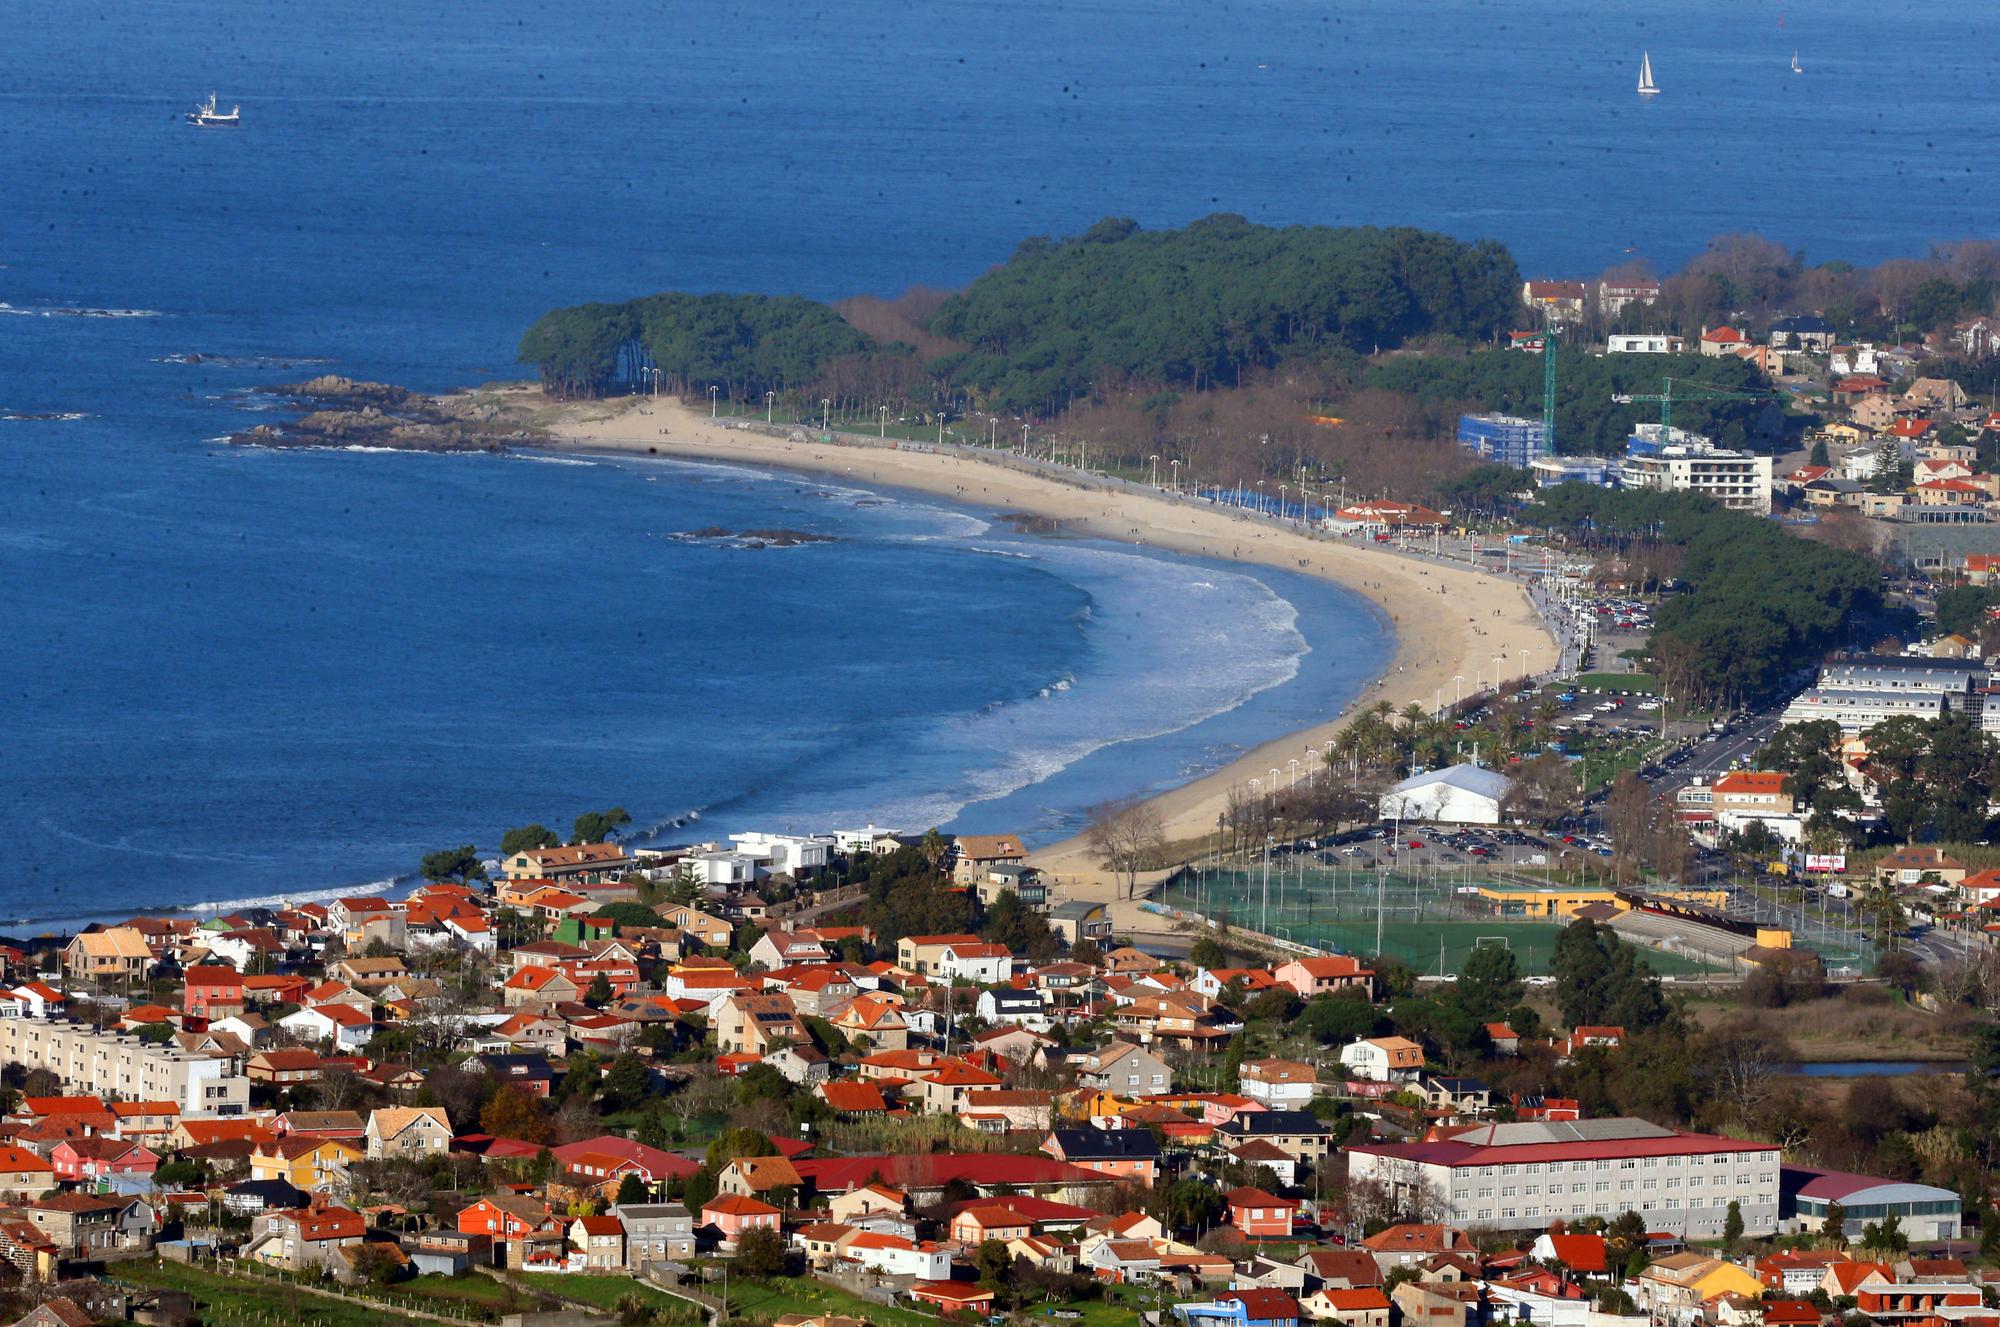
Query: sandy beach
x,y
1449,621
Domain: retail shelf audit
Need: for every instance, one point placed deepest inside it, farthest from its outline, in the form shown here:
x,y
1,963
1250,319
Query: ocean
x,y
236,674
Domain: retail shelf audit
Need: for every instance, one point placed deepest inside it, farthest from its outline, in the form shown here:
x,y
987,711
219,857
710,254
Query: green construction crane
x,y
1546,343
1549,392
1666,396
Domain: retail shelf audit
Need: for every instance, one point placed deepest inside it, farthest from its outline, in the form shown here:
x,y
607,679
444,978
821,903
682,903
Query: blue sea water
x,y
230,674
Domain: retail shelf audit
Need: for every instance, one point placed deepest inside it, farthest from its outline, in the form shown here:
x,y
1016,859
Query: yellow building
x,y
312,1164
1563,902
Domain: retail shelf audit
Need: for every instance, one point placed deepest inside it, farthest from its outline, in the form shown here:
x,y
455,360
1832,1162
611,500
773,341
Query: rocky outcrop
x,y
343,412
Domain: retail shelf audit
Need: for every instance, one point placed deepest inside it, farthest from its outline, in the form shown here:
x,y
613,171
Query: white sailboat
x,y
1647,88
1795,63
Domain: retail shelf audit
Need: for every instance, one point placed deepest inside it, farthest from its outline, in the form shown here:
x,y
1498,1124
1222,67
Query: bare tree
x,y
1743,1057
1542,791
1126,835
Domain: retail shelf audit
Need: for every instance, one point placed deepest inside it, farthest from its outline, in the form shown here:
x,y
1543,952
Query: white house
x,y
35,1000
345,1026
1460,795
893,1255
234,950
1006,1005
1645,343
473,933
787,854
721,870
1279,1084
978,964
238,1025
870,839
1384,1059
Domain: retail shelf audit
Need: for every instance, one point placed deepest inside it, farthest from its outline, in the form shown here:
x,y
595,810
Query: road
x,y
1715,755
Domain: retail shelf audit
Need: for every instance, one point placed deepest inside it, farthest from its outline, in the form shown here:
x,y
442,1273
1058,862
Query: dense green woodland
x,y
1192,307
1760,604
741,343
1196,307
1588,421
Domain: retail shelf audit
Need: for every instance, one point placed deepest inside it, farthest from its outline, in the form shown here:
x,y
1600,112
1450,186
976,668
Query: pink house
x,y
732,1214
1317,976
95,1158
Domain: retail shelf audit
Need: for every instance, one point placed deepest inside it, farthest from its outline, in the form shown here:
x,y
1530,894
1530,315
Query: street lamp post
x,y
770,401
825,406
712,390
1024,439
1154,461
992,432
882,429
1175,463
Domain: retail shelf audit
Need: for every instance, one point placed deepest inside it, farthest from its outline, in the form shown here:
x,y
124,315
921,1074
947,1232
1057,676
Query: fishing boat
x,y
206,116
1647,88
1795,63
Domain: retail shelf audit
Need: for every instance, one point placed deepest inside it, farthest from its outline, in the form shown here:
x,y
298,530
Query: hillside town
x,y
668,1082
1891,433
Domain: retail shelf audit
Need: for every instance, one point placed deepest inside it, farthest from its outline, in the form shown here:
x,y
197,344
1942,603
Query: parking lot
x,y
1426,847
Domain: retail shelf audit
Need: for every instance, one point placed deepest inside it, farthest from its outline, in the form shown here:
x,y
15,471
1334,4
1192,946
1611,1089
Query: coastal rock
x,y
343,412
752,539
332,387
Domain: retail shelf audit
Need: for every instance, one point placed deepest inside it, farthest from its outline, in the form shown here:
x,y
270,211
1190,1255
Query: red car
x,y
1416,843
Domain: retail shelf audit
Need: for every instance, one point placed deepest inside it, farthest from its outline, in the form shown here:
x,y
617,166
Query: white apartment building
x,y
1955,679
1676,461
119,1066
1523,1176
1858,711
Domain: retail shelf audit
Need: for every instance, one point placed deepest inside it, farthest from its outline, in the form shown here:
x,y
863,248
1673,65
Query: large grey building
x,y
1857,711
1523,1176
1955,679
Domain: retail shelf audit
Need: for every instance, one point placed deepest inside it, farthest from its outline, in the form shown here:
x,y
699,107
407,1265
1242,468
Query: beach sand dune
x,y
1450,622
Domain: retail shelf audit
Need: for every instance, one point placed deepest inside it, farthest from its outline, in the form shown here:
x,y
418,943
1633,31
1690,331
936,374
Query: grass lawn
x,y
231,1301
602,1292
766,1300
1120,1307
477,1291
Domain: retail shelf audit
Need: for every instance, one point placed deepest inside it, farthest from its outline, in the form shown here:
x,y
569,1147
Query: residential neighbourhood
x,y
804,1077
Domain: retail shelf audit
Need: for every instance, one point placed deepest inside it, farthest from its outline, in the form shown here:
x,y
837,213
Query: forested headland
x,y
1187,309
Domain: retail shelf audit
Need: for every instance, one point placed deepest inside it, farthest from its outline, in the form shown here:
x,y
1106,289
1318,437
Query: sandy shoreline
x,y
1449,622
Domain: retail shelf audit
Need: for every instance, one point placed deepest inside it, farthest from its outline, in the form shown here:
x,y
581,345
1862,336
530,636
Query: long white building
x,y
1858,711
1861,691
1523,1176
119,1066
